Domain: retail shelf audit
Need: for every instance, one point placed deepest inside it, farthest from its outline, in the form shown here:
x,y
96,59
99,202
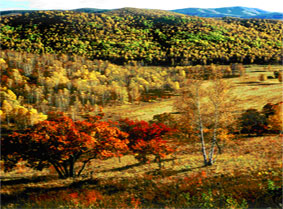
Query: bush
x,y
280,76
274,119
262,77
268,120
253,122
276,73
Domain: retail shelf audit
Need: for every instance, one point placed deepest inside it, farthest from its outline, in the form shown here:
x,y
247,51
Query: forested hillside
x,y
151,37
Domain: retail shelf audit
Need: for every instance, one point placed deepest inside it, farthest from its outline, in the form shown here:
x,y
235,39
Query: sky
x,y
268,5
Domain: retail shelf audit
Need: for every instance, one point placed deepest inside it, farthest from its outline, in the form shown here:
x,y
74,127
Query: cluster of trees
x,y
70,145
150,37
12,112
269,119
34,84
210,117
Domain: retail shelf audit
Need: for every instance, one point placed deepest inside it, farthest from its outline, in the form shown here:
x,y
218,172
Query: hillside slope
x,y
152,37
272,15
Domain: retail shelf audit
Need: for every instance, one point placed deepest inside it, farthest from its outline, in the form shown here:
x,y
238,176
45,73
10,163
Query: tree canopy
x,y
62,142
151,37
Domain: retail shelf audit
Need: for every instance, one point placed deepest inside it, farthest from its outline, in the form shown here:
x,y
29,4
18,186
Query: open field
x,y
250,92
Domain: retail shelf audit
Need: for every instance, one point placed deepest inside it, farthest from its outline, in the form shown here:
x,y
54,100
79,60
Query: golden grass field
x,y
250,92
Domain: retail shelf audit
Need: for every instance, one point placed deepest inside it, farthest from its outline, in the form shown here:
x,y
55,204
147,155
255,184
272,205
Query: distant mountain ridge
x,y
238,12
87,10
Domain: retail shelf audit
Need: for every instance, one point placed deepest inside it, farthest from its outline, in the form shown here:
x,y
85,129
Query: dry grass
x,y
250,92
247,156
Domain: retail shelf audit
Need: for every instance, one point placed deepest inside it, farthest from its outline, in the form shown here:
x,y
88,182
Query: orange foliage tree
x,y
61,142
275,118
146,139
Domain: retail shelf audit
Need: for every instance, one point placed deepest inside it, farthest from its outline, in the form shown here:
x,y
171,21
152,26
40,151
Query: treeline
x,y
32,83
150,37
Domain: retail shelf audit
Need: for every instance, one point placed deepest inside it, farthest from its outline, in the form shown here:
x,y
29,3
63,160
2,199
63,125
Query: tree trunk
x,y
61,176
71,170
214,139
201,130
84,164
65,166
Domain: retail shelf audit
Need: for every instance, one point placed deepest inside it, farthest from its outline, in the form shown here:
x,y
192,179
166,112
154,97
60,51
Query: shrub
x,y
253,122
276,73
275,120
280,76
262,77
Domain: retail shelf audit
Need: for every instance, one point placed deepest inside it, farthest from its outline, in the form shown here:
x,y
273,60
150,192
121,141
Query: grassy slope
x,y
242,168
249,162
251,92
247,155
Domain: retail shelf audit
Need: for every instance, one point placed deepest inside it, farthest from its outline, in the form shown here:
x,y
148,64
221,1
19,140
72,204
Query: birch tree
x,y
206,106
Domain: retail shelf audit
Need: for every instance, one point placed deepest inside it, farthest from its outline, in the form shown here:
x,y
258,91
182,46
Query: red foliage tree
x,y
62,142
145,139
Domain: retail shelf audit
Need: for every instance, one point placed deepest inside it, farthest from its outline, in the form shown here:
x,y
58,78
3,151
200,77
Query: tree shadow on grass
x,y
170,172
21,180
249,82
257,83
259,71
122,168
20,197
132,166
267,84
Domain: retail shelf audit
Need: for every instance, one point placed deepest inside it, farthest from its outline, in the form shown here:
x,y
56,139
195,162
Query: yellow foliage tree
x,y
206,111
275,121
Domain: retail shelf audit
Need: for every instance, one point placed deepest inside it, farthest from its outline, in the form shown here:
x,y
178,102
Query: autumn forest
x,y
140,108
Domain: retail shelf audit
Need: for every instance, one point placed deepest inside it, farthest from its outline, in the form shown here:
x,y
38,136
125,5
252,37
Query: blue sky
x,y
269,5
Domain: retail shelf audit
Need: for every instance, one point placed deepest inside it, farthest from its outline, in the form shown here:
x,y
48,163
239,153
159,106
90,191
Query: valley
x,y
141,108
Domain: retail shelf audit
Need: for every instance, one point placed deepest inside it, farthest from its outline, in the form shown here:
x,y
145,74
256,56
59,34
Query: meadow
x,y
246,175
252,93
